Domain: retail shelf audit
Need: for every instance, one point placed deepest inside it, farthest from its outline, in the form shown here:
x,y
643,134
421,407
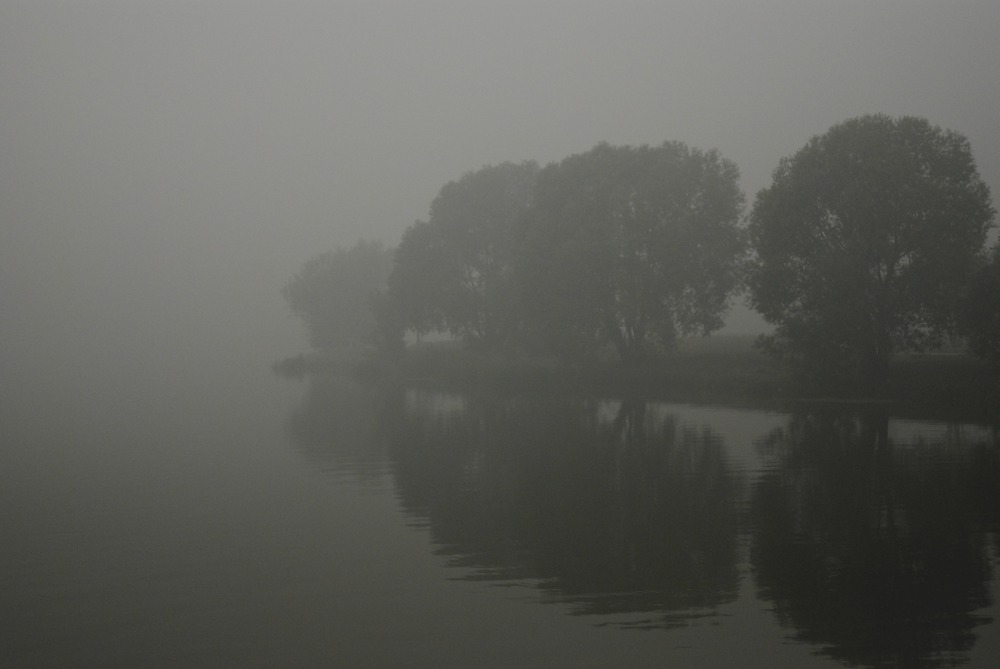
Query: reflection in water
x,y
337,426
876,551
869,538
609,507
631,514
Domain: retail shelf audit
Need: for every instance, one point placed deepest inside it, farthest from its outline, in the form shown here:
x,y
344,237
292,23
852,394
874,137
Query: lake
x,y
227,516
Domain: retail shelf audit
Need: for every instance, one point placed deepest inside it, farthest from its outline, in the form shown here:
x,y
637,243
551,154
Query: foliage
x,y
454,272
332,293
418,277
864,242
629,247
981,319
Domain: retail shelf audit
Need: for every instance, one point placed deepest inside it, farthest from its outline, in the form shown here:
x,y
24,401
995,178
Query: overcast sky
x,y
166,166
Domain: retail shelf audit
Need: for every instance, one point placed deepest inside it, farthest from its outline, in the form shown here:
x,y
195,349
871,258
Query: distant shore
x,y
726,370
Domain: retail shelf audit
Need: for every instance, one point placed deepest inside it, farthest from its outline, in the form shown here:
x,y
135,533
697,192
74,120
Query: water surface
x,y
236,518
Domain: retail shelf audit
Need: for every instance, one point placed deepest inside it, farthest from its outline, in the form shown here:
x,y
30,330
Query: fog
x,y
167,166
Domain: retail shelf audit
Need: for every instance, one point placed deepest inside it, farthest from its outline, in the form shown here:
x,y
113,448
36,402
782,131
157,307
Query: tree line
x,y
870,241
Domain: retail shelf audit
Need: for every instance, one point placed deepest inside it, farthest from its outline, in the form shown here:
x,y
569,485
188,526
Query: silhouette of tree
x,y
419,277
630,246
333,294
981,320
454,272
864,243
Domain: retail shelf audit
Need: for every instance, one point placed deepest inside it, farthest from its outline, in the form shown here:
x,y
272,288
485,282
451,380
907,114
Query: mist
x,y
167,166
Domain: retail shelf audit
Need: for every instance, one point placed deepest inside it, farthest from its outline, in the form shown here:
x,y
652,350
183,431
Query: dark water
x,y
251,520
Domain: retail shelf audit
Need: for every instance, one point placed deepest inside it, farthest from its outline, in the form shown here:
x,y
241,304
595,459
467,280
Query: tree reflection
x,y
613,509
338,426
875,551
871,542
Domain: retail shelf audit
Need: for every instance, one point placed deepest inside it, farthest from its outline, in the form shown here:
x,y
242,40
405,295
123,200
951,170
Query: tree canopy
x,y
868,242
454,272
981,318
630,246
332,293
865,240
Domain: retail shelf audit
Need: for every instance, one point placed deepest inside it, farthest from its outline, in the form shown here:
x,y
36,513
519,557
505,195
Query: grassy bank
x,y
957,385
695,374
718,370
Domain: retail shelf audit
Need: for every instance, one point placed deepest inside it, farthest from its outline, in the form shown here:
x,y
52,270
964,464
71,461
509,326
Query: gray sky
x,y
167,165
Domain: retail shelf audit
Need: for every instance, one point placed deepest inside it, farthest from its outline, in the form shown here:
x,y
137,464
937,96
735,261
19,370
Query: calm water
x,y
249,520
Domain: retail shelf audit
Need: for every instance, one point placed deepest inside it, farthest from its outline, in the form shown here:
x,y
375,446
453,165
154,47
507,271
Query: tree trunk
x,y
876,372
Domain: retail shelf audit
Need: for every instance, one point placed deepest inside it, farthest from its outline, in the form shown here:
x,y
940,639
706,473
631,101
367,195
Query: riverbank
x,y
715,370
699,371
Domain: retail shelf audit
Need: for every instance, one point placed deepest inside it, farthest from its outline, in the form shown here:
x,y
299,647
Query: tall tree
x,y
454,271
333,292
418,280
630,246
981,318
864,241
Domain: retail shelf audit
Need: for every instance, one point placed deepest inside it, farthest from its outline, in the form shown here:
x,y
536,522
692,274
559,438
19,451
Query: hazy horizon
x,y
167,166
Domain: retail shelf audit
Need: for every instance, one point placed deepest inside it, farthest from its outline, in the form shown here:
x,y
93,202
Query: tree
x,y
333,294
454,271
630,246
418,279
981,318
864,242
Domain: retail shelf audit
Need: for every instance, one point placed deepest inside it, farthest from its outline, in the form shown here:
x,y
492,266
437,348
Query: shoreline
x,y
726,371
